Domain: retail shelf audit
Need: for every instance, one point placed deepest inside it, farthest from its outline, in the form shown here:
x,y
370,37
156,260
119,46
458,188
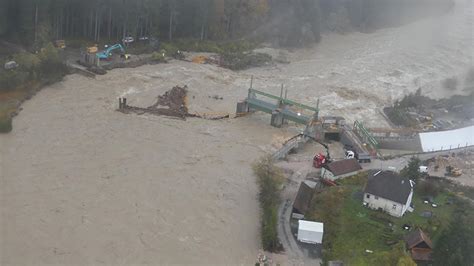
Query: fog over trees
x,y
286,22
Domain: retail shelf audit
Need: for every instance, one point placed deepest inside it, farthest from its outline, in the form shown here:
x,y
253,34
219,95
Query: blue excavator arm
x,y
106,53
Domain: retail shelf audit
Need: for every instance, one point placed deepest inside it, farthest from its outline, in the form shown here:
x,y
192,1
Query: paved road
x,y
296,256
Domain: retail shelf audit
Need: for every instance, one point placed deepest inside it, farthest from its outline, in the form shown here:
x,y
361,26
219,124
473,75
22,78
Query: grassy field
x,y
351,228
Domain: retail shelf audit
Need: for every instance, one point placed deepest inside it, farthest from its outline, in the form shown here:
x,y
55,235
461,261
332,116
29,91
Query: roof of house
x,y
389,185
303,198
343,166
417,237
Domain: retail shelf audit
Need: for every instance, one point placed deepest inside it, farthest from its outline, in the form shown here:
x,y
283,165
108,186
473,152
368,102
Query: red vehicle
x,y
319,160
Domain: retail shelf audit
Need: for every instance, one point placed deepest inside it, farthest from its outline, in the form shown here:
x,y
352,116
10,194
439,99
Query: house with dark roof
x,y
303,199
340,169
419,245
389,192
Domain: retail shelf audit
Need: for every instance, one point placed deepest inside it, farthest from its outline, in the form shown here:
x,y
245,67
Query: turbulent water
x,y
356,73
84,184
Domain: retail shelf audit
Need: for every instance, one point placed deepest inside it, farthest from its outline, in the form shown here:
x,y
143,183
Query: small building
x,y
303,199
340,169
419,245
389,192
310,232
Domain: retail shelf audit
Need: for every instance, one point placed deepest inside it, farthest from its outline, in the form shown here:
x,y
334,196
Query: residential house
x,y
387,191
340,169
419,245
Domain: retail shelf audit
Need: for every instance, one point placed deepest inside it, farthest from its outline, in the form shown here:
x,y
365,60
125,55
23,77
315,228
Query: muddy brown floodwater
x,y
83,184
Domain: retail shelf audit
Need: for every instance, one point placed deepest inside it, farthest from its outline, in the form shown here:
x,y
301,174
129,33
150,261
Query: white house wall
x,y
384,204
407,205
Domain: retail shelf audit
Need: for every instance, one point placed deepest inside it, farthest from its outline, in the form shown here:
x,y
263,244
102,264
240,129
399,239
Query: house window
x,y
394,206
368,196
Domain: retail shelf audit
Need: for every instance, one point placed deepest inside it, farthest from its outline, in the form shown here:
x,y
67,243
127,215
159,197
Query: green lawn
x,y
351,229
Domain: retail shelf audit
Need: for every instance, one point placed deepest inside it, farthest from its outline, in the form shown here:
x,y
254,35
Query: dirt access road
x,y
82,184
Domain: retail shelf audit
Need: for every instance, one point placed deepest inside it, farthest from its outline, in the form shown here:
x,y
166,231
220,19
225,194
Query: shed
x,y
420,245
340,169
303,198
310,232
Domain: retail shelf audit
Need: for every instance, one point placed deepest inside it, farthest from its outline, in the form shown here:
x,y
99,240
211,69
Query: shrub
x,y
158,57
140,48
168,49
240,61
12,79
51,66
27,61
269,179
78,43
5,124
427,188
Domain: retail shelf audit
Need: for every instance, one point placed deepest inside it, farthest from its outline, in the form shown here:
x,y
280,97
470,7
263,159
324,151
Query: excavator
x,y
320,160
105,54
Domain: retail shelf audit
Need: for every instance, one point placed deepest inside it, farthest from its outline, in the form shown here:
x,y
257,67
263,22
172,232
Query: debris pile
x,y
172,103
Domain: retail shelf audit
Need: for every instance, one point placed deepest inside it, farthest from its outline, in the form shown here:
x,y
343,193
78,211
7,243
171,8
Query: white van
x,y
423,169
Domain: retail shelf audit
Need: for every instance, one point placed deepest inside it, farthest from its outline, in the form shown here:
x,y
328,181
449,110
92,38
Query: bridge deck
x,y
269,108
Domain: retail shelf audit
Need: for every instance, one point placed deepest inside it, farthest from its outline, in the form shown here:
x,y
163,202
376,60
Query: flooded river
x,y
84,184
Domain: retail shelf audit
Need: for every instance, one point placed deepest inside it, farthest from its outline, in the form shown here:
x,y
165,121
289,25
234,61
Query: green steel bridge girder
x,y
360,128
283,100
266,107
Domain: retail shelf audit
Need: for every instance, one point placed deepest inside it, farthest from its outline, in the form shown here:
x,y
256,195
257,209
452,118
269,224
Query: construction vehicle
x,y
92,49
453,171
108,52
61,44
320,160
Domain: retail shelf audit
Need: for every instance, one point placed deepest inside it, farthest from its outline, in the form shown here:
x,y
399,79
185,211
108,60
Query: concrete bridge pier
x,y
277,118
242,107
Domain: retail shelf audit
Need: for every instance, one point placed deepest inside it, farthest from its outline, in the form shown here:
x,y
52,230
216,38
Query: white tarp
x,y
310,232
445,140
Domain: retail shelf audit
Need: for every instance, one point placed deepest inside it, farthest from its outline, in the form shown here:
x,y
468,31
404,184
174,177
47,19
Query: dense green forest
x,y
286,22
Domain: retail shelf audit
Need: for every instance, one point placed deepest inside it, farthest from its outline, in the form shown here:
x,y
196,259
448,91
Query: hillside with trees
x,y
287,22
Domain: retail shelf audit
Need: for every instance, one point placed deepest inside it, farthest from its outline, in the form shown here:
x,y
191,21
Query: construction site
x,y
156,159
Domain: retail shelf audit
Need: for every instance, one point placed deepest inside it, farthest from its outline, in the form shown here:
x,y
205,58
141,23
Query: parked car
x,y
128,40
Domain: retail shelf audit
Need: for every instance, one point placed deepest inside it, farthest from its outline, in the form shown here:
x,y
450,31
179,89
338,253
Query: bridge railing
x,y
283,100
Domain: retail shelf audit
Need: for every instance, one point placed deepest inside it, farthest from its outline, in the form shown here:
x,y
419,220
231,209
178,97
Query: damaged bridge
x,y
280,110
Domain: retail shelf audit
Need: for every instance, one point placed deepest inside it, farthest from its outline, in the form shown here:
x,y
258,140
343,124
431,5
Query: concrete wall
x,y
326,174
329,175
404,144
393,208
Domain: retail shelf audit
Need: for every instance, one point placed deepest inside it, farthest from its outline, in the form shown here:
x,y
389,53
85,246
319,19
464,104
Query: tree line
x,y
289,22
